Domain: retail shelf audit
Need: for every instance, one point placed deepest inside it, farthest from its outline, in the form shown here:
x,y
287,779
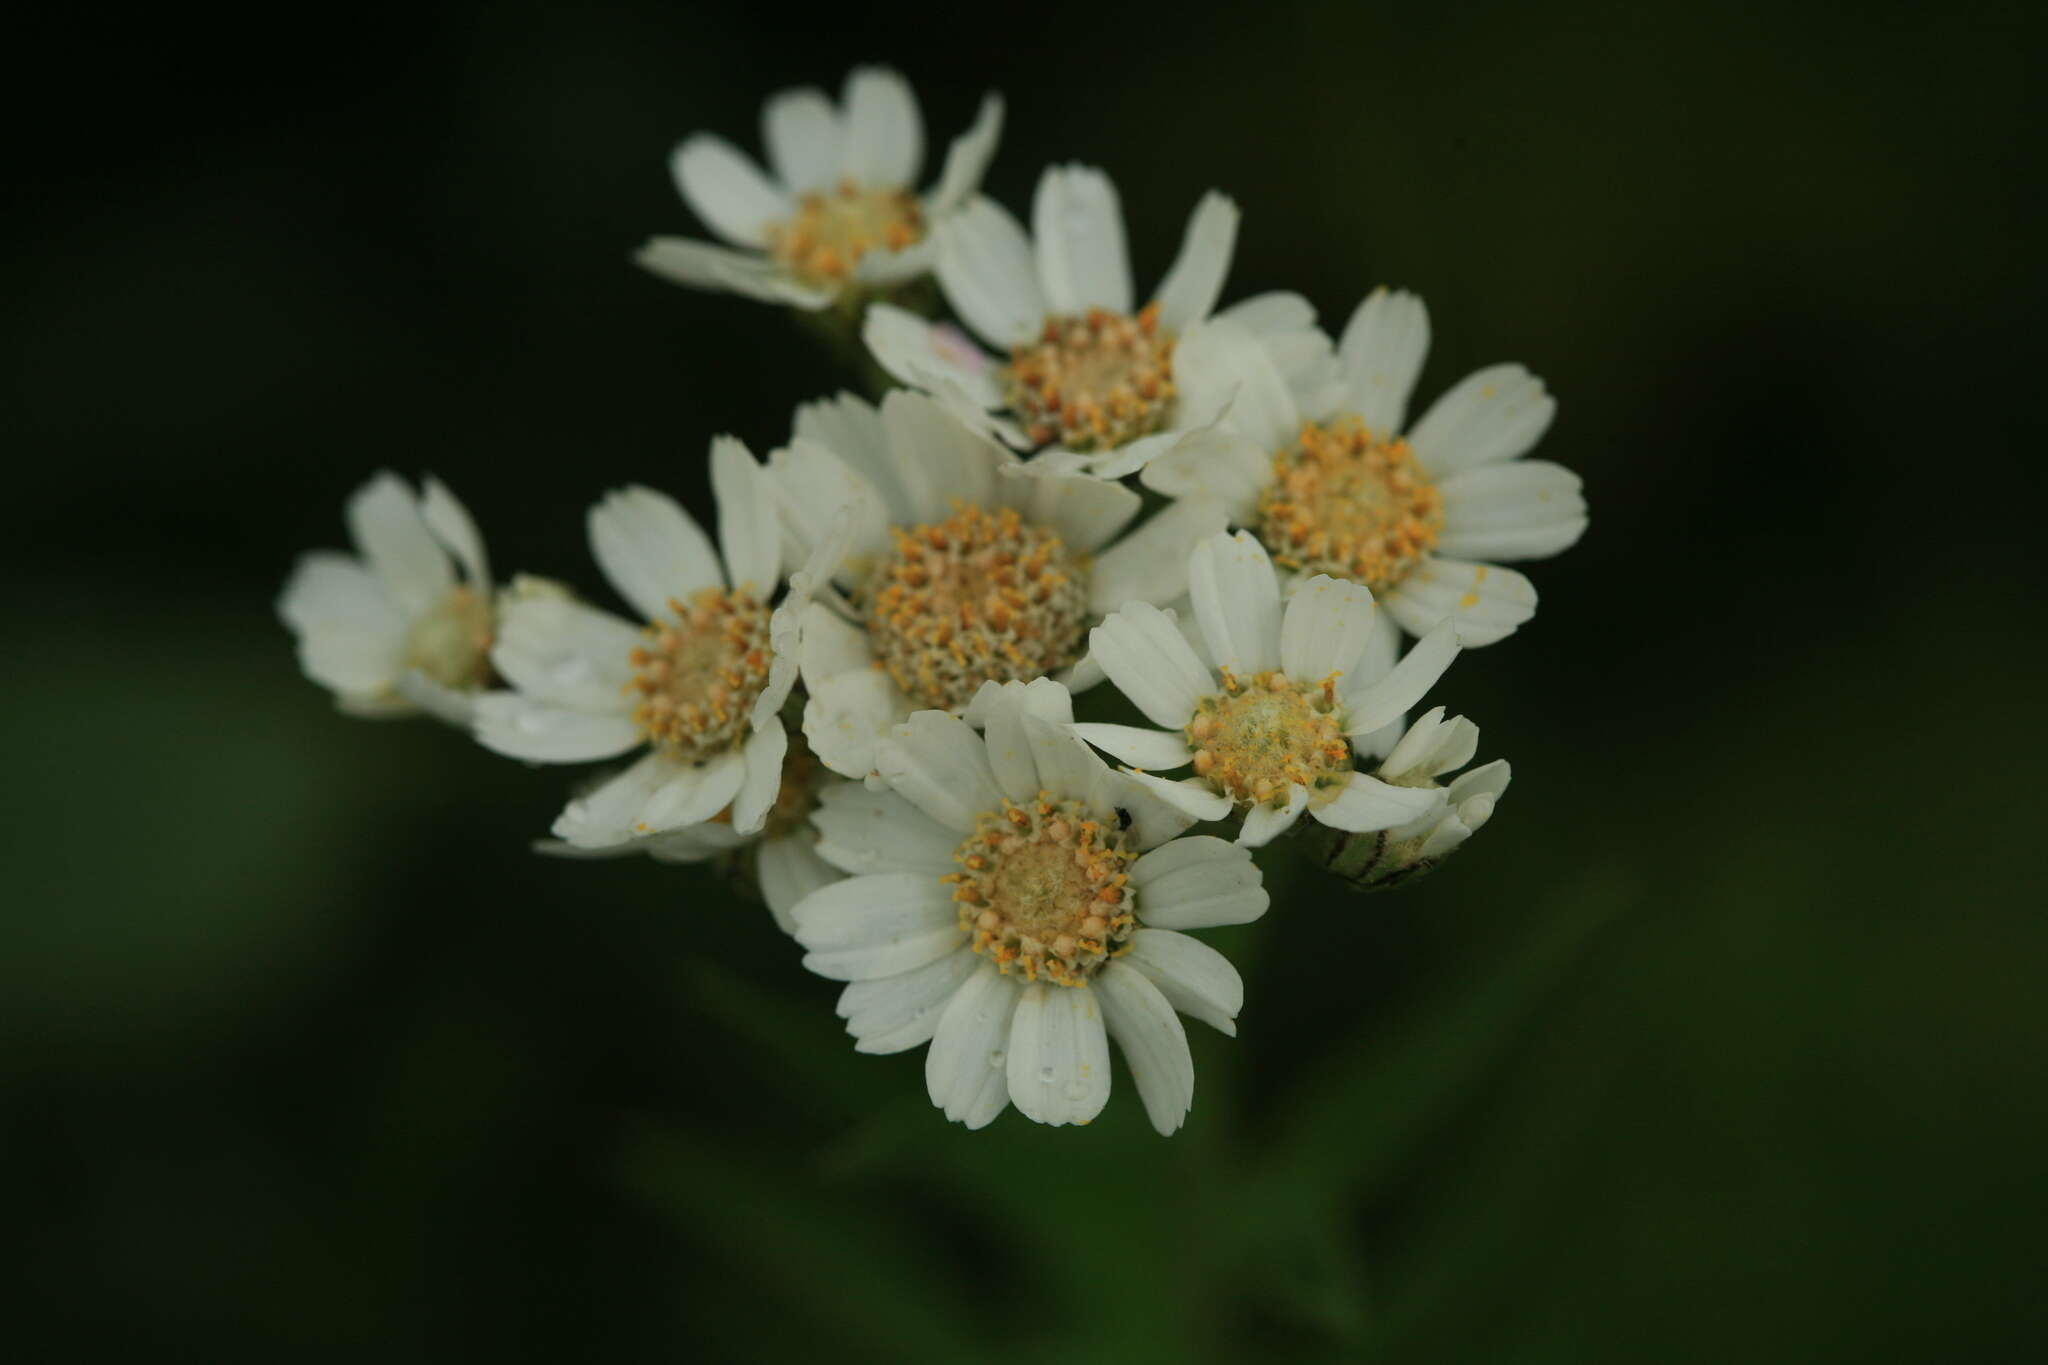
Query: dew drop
x,y
997,1058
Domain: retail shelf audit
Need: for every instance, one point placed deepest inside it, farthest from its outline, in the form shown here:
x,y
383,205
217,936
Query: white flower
x,y
702,685
393,630
1272,718
1017,903
962,564
838,212
1431,748
782,855
1332,486
1079,367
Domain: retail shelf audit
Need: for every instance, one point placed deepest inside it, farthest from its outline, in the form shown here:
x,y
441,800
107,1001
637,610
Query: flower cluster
x,y
861,693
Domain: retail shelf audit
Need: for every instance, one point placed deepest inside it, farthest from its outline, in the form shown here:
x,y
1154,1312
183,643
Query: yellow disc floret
x,y
452,643
698,676
1044,890
1094,381
983,595
1259,738
1349,504
833,229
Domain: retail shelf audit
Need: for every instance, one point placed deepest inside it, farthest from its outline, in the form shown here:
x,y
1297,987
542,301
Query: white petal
x,y
1197,882
894,1013
693,794
965,1069
1367,804
762,759
435,699
1236,598
1195,280
518,727
1195,978
1002,710
700,265
1067,767
559,651
1151,563
1383,349
1484,601
819,495
938,763
802,132
986,269
845,719
651,550
1087,512
864,928
1271,313
1264,823
1432,746
916,353
1191,796
727,189
1139,747
949,461
452,525
384,518
789,869
1369,707
851,428
866,831
351,634
1154,1045
1495,414
1078,230
1218,463
1527,509
747,529
884,131
606,815
1490,779
1059,1055
967,159
1142,652
1220,368
1328,623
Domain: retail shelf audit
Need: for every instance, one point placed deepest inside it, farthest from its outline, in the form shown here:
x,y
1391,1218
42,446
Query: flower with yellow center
x,y
963,564
837,211
1272,711
393,629
699,687
1016,903
1334,481
1079,364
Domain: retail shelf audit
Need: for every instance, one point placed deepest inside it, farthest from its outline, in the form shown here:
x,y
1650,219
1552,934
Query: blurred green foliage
x,y
1723,1041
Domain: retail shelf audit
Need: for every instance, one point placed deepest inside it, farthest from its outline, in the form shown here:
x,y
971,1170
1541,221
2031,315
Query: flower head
x,y
1432,748
1017,903
699,687
838,211
1334,481
1273,707
962,564
1080,366
406,623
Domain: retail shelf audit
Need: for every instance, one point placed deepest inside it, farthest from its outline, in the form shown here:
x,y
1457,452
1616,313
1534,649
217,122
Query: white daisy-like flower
x,y
1079,365
838,212
701,686
1332,485
962,564
1272,719
781,855
1017,903
405,624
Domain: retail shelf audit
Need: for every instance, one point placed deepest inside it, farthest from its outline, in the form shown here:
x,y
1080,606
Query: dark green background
x,y
1723,1042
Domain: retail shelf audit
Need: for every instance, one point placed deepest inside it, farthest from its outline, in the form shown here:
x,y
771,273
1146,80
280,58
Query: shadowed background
x,y
1724,1040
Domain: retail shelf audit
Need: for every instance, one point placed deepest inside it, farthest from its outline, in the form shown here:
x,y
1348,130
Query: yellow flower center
x,y
698,677
1349,504
1044,890
452,643
1257,739
1095,381
833,229
979,596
